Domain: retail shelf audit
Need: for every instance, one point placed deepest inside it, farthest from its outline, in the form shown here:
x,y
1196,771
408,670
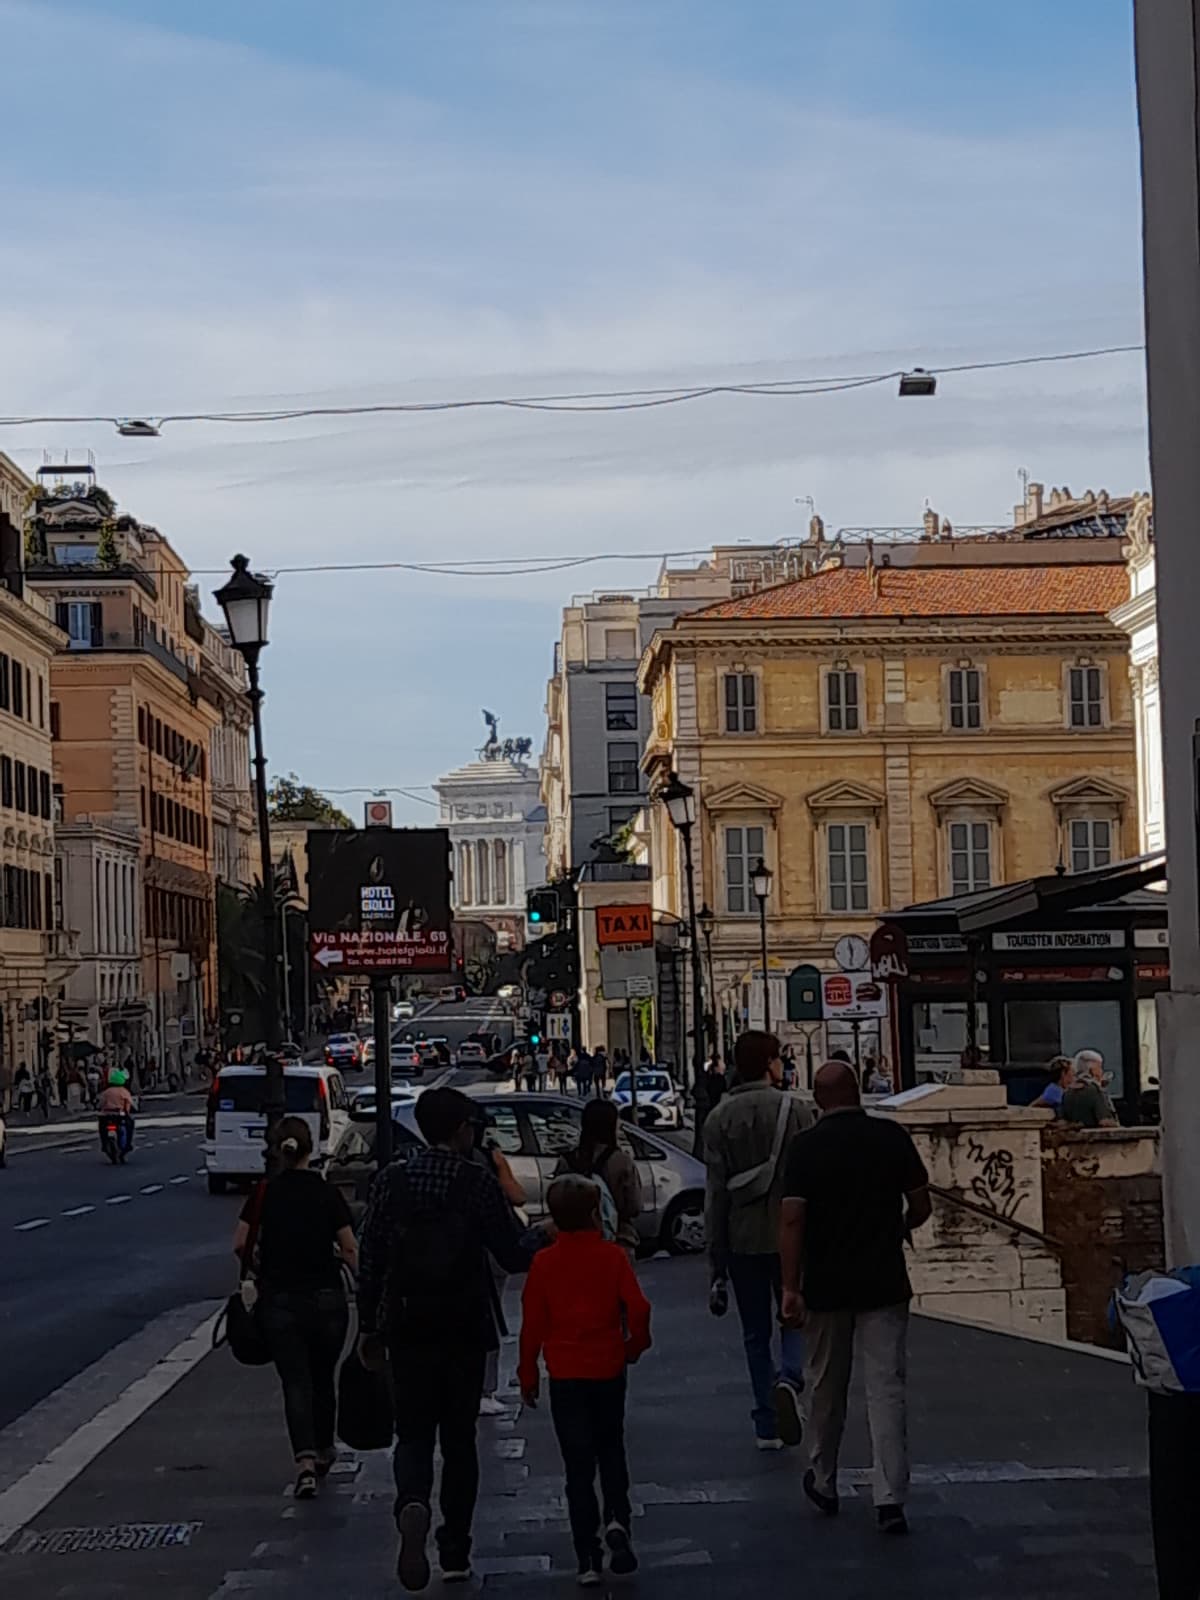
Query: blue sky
x,y
224,204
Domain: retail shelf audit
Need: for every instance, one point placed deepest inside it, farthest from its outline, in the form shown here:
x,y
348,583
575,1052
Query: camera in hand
x,y
718,1297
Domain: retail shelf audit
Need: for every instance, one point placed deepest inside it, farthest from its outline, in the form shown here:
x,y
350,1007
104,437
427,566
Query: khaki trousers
x,y
881,1339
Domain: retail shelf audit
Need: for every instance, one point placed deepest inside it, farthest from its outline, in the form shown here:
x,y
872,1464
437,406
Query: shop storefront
x,y
1050,966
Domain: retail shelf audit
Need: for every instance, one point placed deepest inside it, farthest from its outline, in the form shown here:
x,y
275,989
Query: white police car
x,y
659,1105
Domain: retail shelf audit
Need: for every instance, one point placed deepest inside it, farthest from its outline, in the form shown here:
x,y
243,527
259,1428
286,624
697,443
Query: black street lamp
x,y
706,918
760,882
680,801
246,601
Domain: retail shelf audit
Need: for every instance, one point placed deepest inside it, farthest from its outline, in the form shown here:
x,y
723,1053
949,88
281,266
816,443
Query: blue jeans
x,y
758,1292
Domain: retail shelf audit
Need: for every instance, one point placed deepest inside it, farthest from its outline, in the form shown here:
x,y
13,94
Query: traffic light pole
x,y
381,995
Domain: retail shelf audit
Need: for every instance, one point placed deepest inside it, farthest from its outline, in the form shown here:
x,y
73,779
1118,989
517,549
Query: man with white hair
x,y
1087,1103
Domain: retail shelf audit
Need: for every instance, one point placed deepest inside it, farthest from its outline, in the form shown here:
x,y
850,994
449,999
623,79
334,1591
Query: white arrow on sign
x,y
326,956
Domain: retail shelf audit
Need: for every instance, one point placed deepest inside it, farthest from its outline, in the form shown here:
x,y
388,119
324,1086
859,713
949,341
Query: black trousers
x,y
589,1419
306,1330
437,1390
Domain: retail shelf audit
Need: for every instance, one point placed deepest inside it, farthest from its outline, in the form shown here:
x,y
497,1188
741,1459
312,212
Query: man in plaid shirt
x,y
425,1292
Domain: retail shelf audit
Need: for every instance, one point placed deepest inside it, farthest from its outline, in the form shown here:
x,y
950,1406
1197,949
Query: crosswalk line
x,y
28,1227
182,1178
78,1211
118,1199
151,1188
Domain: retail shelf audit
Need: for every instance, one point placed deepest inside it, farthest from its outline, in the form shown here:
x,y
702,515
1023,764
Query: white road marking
x,y
29,1496
151,1188
78,1211
182,1178
118,1199
28,1227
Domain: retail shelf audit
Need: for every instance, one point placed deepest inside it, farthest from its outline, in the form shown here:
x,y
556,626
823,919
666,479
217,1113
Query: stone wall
x,y
1103,1206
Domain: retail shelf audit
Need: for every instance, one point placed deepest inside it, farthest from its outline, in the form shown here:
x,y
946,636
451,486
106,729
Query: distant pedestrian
x,y
424,1303
561,1071
584,1311
855,1190
745,1138
530,1069
299,1219
1086,1103
517,1058
599,1155
1061,1071
599,1069
41,1089
23,1084
644,1058
543,1067
583,1074
714,1082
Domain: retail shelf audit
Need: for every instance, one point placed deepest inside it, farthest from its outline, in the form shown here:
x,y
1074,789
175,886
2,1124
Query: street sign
x,y
377,813
889,953
632,925
621,965
379,900
558,1000
804,995
639,988
558,1025
852,996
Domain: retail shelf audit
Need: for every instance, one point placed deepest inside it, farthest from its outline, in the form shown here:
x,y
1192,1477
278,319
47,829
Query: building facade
x,y
234,830
132,719
882,734
1138,617
493,813
37,950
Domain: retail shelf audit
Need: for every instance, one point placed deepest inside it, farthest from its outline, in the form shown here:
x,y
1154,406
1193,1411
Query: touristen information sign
x,y
379,901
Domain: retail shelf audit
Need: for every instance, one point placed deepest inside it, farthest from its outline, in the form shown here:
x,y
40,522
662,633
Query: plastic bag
x,y
1159,1313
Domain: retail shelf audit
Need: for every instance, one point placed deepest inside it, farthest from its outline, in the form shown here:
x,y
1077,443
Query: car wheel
x,y
683,1226
216,1183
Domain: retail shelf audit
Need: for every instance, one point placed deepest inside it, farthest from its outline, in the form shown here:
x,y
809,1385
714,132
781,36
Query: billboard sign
x,y
852,996
379,901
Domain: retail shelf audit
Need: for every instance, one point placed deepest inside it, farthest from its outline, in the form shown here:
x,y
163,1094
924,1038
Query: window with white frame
x,y
743,850
741,703
846,856
1091,841
1085,697
842,700
970,856
963,691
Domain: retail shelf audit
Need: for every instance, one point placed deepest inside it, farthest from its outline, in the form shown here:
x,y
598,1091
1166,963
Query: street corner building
x,y
901,721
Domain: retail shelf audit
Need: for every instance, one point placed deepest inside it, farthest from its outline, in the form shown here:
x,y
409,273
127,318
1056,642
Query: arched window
x,y
483,883
500,873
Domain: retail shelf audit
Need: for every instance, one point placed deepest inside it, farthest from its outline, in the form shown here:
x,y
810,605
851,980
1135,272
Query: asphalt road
x,y
90,1253
454,1022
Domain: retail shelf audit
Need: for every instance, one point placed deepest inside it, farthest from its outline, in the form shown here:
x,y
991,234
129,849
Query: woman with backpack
x,y
298,1228
599,1157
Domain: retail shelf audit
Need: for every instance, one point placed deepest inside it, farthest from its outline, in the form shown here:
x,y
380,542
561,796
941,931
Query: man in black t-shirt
x,y
854,1189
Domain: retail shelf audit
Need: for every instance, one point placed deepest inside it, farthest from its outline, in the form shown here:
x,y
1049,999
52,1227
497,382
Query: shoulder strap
x,y
257,1201
602,1160
781,1126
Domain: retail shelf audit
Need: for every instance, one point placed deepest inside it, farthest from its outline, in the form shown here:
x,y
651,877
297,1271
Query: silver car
x,y
534,1131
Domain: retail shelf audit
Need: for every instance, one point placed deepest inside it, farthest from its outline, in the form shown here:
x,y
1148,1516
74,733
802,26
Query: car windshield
x,y
647,1082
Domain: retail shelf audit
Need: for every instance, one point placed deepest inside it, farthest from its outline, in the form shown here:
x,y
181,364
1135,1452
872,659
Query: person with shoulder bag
x,y
746,1137
598,1156
304,1235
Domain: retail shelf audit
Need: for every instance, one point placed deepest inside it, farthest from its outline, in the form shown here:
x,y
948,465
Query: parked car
x,y
533,1131
658,1103
343,1050
236,1121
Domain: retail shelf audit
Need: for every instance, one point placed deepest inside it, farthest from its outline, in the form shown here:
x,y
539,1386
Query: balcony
x,y
89,572
143,644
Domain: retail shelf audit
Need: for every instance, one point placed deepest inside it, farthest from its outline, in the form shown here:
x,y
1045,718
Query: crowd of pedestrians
x,y
807,1218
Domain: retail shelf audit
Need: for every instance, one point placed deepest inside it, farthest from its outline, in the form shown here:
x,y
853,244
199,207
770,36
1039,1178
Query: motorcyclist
x,y
117,1100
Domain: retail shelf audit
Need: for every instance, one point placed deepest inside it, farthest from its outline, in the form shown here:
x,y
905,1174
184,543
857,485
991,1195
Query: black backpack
x,y
435,1283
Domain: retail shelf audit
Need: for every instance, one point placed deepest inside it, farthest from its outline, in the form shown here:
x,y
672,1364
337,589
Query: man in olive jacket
x,y
746,1137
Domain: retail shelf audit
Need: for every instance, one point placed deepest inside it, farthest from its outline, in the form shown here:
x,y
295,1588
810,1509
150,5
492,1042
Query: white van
x,y
236,1124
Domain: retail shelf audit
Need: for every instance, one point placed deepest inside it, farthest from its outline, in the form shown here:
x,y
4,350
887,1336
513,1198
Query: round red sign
x,y
839,991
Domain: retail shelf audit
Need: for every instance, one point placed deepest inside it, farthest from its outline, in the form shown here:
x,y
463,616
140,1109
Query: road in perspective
x,y
621,546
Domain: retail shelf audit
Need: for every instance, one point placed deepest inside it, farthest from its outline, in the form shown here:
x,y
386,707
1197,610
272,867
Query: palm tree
x,y
240,975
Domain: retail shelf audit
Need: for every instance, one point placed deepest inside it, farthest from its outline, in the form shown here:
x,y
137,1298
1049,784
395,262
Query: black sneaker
x,y
621,1558
789,1418
591,1570
892,1520
412,1563
826,1504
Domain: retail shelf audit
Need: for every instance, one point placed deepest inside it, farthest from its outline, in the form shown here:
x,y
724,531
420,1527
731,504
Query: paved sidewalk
x,y
1029,1480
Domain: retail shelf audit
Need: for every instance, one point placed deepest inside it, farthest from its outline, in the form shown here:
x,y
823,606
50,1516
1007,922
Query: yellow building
x,y
885,734
132,718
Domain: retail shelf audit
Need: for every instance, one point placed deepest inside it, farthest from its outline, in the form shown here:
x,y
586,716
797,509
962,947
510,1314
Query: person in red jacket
x,y
584,1310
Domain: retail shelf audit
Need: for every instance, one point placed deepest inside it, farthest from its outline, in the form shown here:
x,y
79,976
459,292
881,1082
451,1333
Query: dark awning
x,y
1054,892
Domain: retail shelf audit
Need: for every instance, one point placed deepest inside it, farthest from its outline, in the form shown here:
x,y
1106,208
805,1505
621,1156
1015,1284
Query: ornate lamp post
x,y
246,600
680,801
706,918
760,882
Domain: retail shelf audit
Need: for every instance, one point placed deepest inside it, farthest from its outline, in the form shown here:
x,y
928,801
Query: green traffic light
x,y
535,916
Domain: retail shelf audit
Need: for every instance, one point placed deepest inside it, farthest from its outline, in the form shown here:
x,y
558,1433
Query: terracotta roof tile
x,y
937,592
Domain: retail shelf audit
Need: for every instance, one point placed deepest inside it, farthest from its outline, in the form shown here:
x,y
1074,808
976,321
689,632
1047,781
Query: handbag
x,y
755,1183
239,1325
365,1415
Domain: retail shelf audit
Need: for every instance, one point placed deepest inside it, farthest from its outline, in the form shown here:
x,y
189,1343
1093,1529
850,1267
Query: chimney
x,y
930,520
1033,501
947,530
816,528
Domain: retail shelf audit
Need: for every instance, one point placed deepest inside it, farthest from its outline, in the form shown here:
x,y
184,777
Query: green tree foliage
x,y
289,800
108,554
240,952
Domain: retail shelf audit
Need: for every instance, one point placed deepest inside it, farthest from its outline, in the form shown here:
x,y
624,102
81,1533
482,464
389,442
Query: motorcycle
x,y
114,1137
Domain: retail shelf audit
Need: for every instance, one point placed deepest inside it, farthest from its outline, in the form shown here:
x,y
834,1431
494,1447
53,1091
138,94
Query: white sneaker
x,y
770,1444
489,1406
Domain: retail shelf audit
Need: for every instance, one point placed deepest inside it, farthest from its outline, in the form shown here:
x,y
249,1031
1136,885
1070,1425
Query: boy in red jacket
x,y
584,1309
